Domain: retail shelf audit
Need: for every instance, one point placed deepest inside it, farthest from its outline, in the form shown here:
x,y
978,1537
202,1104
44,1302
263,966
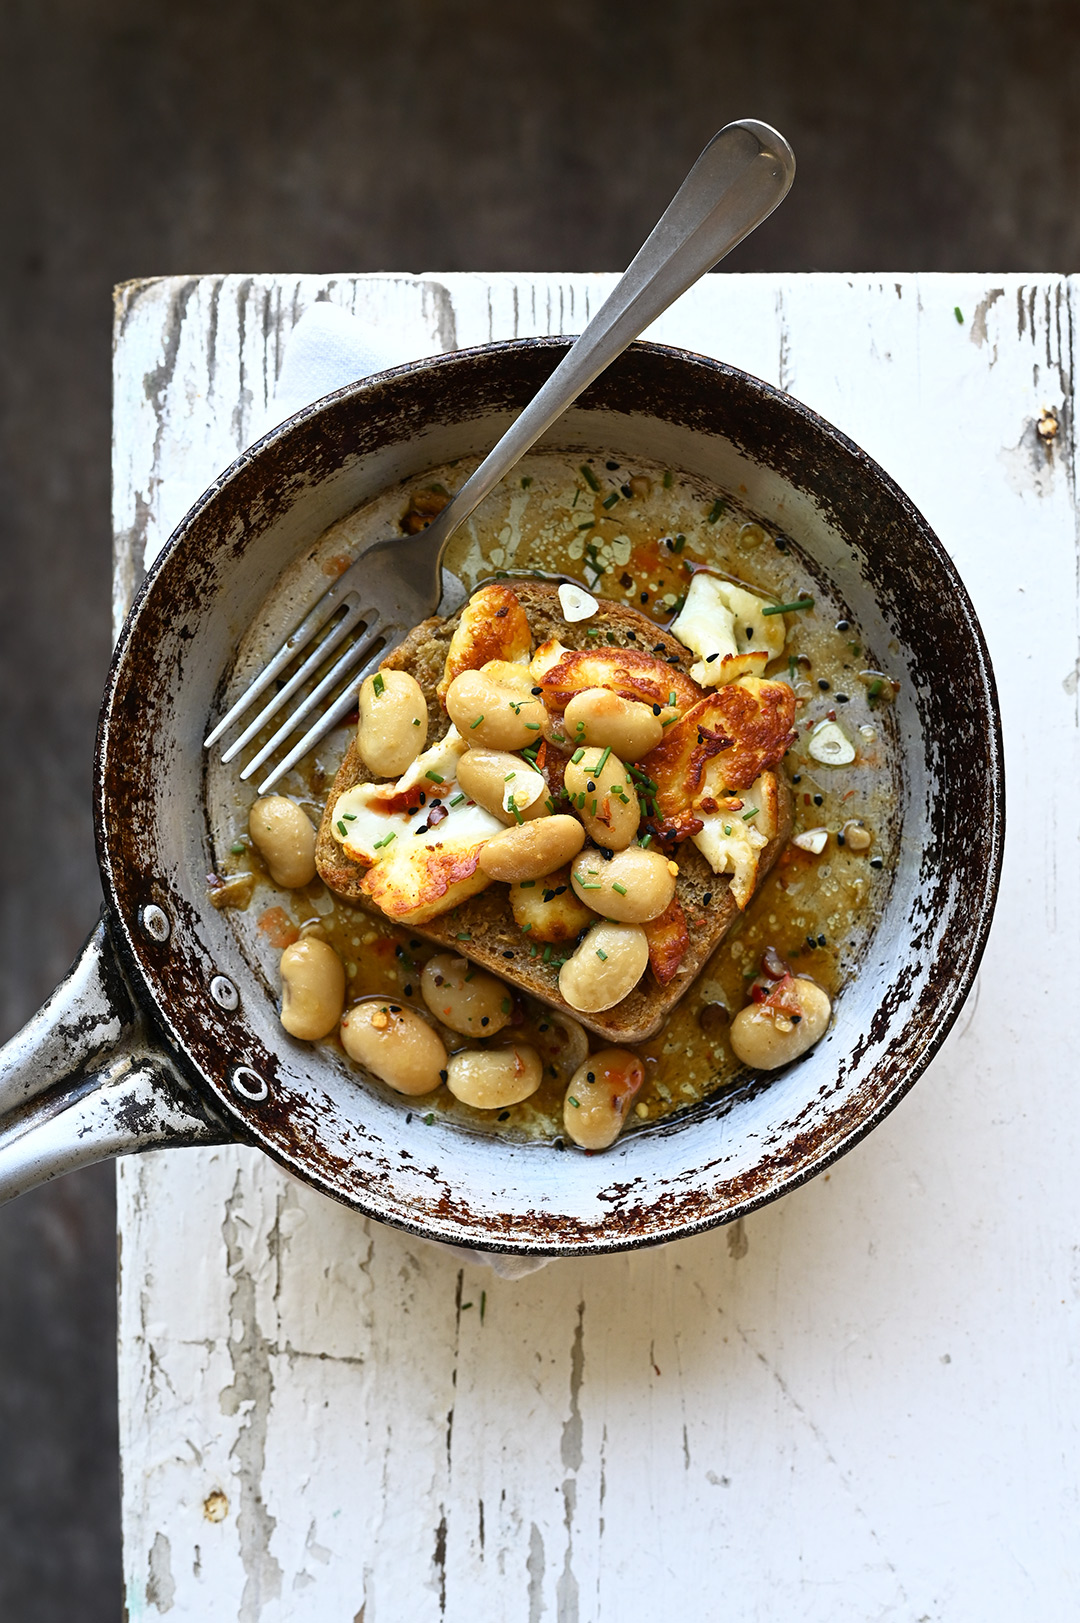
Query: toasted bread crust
x,y
483,928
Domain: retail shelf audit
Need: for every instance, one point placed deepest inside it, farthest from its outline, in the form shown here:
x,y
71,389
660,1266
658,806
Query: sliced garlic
x,y
830,745
577,604
813,840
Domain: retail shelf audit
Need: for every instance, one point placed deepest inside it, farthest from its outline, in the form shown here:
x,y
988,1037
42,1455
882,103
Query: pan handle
x,y
85,1080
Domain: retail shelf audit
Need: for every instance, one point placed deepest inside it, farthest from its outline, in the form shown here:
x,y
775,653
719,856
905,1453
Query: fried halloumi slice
x,y
733,837
629,672
726,627
744,727
668,936
493,625
421,875
365,814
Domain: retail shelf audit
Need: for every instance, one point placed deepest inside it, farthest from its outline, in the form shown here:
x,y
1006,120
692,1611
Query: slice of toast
x,y
483,928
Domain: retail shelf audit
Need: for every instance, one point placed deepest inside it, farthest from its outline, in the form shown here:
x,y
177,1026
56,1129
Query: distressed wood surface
x,y
859,1403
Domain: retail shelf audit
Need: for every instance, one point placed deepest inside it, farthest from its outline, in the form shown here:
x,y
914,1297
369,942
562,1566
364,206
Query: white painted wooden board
x,y
860,1403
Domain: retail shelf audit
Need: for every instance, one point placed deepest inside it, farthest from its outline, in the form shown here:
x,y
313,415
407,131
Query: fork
x,y
740,177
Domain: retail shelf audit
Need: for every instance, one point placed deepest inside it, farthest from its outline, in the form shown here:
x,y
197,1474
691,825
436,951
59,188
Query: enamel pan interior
x,y
305,1108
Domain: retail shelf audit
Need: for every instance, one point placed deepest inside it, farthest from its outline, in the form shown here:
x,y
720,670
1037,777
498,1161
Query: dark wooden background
x,y
139,138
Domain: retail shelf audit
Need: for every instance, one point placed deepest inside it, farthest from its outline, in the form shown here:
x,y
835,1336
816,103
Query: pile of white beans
x,y
589,870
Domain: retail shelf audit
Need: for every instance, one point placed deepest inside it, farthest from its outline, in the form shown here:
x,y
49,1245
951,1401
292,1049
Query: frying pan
x,y
166,1032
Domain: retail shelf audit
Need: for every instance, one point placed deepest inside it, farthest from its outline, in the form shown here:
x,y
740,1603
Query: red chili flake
x,y
278,927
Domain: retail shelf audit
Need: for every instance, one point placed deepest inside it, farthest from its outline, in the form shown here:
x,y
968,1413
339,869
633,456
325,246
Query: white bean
x,y
285,839
493,1078
494,778
599,1097
633,886
607,965
312,988
532,850
396,1044
547,909
602,794
766,1038
495,707
393,723
628,728
465,998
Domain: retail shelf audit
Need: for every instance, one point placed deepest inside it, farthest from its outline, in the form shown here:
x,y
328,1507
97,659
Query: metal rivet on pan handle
x,y
224,993
249,1084
155,921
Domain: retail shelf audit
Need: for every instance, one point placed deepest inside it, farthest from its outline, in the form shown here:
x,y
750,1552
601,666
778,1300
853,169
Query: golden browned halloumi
x,y
629,672
744,727
493,625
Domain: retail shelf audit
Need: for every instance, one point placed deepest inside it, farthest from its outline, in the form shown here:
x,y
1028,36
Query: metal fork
x,y
741,176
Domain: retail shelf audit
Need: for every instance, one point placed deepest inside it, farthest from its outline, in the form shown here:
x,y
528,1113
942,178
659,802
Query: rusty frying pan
x,y
165,1033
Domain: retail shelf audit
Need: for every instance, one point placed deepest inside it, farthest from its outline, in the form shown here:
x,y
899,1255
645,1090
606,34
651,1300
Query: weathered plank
x,y
860,1402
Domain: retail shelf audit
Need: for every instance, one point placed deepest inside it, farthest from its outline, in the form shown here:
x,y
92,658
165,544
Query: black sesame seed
x,y
558,1144
656,709
673,659
485,1020
612,467
536,691
660,648
781,546
796,777
876,862
706,899
442,1077
560,890
504,1115
544,1028
548,896
408,990
508,955
398,950
591,1076
843,625
627,492
823,685
631,635
818,800
821,940
840,840
408,1113
644,597
590,787
414,945
810,942
842,698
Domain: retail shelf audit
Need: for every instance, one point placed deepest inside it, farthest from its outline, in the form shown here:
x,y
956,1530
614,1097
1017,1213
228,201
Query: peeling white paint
x,y
759,1422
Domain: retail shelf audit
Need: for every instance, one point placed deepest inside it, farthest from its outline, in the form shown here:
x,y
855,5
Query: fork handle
x,y
741,176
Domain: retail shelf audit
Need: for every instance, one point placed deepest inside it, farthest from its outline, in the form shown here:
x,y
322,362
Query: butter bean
x,y
532,850
496,710
603,797
312,988
495,777
547,909
465,998
633,886
285,839
607,965
493,1078
765,1038
628,728
599,1097
393,723
395,1044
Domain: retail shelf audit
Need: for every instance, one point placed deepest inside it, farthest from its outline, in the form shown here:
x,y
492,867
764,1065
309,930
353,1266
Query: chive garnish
x,y
340,828
474,724
576,757
671,697
746,816
669,478
788,608
646,841
434,776
380,843
463,935
526,481
508,776
600,953
583,886
527,884
602,762
589,525
620,888
533,726
378,684
718,508
416,723
727,829
237,848
571,1100
350,817
505,1005
589,477
609,501
456,800
547,955
680,542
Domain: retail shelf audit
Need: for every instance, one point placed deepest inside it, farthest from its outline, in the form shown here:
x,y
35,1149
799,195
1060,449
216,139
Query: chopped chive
x,y
580,727
958,314
581,801
526,481
589,525
582,886
646,841
508,776
533,726
577,493
378,684
416,723
517,815
237,847
671,697
429,1118
788,608
527,884
609,501
380,843
456,800
718,508
340,828
547,955
589,477
669,478
592,808
727,829
620,888
483,1294
680,542
434,776
473,725
572,1101
669,720
600,953
874,689
505,1005
746,816
602,762
463,935
592,632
